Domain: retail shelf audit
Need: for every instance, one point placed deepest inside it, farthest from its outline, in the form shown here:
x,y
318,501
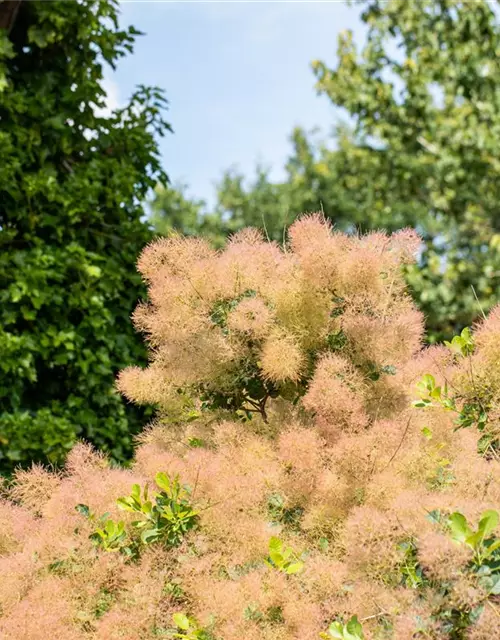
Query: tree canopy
x,y
71,226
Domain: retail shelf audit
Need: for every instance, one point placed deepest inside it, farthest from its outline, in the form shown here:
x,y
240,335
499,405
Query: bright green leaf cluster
x,y
432,394
165,517
411,572
283,558
462,345
111,536
482,542
188,628
352,630
472,408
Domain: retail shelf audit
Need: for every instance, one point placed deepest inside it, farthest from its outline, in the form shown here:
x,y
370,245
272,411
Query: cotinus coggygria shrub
x,y
305,476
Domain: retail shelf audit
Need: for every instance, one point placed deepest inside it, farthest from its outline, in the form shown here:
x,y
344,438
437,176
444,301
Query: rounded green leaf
x,y
295,567
181,621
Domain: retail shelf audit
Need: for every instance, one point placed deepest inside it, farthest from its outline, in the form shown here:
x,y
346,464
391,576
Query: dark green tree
x,y
71,227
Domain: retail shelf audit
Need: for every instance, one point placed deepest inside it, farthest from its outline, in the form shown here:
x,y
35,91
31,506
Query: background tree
x,y
423,94
71,183
422,149
238,205
174,211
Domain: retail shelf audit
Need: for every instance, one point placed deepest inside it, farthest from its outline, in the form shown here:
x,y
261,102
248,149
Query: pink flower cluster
x,y
340,466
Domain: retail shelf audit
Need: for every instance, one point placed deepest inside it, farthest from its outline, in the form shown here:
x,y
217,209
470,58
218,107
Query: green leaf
x,y
474,541
37,36
434,516
275,544
495,587
435,393
429,381
276,557
110,527
421,404
287,553
150,535
83,509
427,433
488,522
181,621
295,567
136,492
354,627
494,546
336,630
459,527
147,507
163,481
127,504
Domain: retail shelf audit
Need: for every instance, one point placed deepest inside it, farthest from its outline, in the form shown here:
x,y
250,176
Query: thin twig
x,y
214,504
401,524
492,451
263,408
399,445
478,303
495,609
389,294
265,228
284,238
254,403
251,410
196,481
375,615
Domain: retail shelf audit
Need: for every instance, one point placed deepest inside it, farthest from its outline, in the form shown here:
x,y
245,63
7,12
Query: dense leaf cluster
x,y
71,184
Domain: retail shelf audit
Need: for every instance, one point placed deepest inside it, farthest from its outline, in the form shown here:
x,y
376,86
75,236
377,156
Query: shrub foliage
x,y
311,481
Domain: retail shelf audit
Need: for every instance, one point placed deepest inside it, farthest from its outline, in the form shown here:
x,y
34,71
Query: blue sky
x,y
237,76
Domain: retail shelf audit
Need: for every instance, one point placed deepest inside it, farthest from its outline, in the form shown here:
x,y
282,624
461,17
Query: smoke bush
x,y
239,328
336,495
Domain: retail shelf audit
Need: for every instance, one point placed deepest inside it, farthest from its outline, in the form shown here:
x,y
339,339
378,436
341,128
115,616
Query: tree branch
x,y
8,13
